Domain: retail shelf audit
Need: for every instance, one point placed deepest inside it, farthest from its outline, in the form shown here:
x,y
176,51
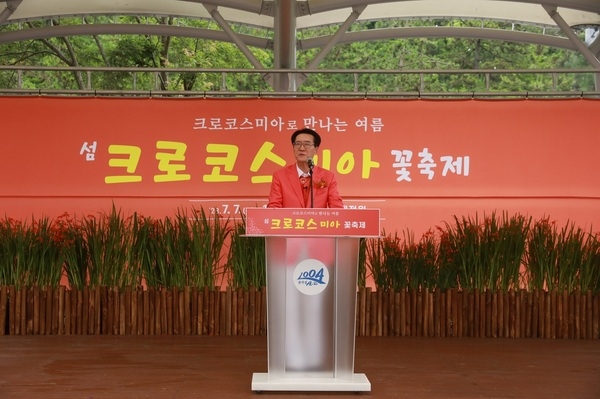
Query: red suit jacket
x,y
286,190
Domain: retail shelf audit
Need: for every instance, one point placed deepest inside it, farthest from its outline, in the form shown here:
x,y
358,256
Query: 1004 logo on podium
x,y
311,277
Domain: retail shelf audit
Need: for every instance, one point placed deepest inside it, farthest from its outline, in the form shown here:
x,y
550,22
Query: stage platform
x,y
188,367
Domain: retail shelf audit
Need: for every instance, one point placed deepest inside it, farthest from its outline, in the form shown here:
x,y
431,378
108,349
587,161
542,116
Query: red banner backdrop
x,y
419,161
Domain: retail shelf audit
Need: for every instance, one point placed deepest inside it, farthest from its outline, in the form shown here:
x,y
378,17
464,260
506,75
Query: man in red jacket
x,y
291,186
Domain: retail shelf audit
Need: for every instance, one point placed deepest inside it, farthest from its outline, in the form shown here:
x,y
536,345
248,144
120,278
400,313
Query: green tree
x,y
161,52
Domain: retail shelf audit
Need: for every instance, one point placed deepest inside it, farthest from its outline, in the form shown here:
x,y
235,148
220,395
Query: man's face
x,y
304,147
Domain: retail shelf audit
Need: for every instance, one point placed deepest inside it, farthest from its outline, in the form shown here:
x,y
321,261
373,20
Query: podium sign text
x,y
314,222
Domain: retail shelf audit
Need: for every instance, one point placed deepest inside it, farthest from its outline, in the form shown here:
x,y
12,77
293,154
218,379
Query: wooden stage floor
x,y
187,367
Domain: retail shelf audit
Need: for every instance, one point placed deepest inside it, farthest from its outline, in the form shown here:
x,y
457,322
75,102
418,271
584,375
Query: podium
x,y
312,268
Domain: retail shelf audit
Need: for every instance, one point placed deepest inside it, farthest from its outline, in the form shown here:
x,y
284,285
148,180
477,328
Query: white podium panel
x,y
311,308
312,269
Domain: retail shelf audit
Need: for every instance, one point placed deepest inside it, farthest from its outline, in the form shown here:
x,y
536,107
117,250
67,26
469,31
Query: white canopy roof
x,y
316,12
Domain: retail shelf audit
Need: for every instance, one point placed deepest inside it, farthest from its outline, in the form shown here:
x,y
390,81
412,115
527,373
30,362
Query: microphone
x,y
311,165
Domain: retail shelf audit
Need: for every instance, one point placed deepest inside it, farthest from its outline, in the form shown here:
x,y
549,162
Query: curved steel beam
x,y
128,29
441,31
318,42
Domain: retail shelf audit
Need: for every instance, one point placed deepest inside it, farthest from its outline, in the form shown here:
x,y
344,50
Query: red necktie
x,y
305,182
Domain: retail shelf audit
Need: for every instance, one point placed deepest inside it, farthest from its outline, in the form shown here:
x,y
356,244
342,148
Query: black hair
x,y
316,137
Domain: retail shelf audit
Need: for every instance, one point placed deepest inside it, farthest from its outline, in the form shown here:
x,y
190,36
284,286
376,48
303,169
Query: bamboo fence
x,y
193,311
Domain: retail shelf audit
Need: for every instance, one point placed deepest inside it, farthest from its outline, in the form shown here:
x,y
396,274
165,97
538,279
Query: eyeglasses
x,y
304,144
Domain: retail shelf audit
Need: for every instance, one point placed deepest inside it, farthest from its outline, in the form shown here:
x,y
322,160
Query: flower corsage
x,y
321,184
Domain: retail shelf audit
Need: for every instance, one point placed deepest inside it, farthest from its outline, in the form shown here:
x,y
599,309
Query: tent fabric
x,y
314,13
